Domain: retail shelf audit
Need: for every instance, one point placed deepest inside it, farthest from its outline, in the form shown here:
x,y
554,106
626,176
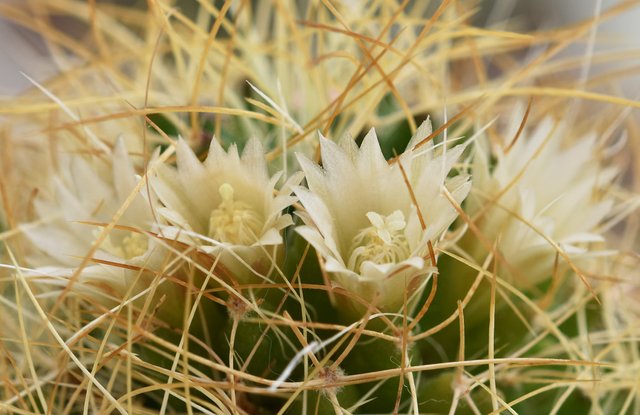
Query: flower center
x,y
234,221
382,243
130,246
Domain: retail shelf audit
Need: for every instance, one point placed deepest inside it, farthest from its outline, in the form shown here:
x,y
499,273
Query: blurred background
x,y
22,51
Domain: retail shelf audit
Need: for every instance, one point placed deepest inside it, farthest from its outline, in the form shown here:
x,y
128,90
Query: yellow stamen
x,y
234,221
383,242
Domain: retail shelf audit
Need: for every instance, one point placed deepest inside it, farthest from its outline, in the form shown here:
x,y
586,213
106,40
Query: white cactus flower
x,y
622,298
226,206
84,195
539,190
361,218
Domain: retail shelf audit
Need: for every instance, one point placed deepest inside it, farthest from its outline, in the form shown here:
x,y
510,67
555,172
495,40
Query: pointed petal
x,y
422,132
320,215
370,158
124,175
314,175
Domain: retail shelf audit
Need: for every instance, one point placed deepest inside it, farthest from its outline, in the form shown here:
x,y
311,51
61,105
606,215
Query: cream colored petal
x,y
253,159
67,204
58,243
278,204
168,189
320,215
215,154
174,217
232,154
93,191
314,176
271,237
124,175
335,162
336,265
196,184
582,237
283,222
423,131
294,180
413,231
316,240
370,158
378,272
349,145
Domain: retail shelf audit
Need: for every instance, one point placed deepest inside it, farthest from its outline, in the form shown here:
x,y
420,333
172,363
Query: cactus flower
x,y
83,196
539,190
361,218
226,206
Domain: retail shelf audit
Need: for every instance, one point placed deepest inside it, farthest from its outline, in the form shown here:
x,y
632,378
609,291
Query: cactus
x,y
266,207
